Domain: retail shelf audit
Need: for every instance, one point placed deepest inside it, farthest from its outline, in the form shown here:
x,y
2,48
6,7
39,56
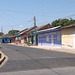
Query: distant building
x,y
5,39
19,36
23,36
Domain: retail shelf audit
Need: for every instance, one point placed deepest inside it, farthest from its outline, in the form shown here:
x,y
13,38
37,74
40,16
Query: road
x,y
32,61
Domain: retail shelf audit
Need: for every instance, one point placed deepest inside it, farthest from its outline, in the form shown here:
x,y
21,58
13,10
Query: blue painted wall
x,y
47,37
5,40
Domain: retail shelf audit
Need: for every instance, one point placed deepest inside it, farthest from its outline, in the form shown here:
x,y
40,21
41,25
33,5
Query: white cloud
x,y
21,26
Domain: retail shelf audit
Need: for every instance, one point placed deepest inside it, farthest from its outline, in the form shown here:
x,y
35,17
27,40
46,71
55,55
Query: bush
x,y
28,43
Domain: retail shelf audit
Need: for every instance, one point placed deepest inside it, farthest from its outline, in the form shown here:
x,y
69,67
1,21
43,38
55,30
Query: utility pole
x,y
35,28
2,29
12,32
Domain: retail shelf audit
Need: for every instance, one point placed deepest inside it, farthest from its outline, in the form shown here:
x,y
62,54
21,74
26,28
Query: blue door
x,y
57,39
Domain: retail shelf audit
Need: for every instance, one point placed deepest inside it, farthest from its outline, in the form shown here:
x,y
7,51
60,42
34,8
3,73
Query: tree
x,y
63,22
1,34
12,32
56,23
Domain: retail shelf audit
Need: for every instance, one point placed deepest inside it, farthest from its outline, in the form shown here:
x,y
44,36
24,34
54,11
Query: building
x,y
50,37
20,38
29,34
35,40
5,39
68,36
58,36
23,36
13,39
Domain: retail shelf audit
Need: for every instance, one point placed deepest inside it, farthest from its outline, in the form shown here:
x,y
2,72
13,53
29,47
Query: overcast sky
x,y
19,14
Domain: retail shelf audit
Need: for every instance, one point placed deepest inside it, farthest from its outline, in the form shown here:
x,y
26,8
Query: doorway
x,y
52,40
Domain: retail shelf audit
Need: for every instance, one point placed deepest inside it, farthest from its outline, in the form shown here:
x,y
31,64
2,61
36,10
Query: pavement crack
x,y
42,64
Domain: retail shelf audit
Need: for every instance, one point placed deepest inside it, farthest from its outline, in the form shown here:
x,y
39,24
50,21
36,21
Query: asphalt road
x,y
25,59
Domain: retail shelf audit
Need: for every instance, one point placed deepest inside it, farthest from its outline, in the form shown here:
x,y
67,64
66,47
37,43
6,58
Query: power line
x,y
4,18
70,16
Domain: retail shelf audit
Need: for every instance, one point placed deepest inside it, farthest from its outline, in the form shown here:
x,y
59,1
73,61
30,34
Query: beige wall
x,y
68,37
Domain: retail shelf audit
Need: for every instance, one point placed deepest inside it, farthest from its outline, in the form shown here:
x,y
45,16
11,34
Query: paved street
x,y
32,61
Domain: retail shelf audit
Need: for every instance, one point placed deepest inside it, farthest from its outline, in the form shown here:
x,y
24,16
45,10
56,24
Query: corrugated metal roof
x,y
38,28
7,36
27,30
48,29
73,25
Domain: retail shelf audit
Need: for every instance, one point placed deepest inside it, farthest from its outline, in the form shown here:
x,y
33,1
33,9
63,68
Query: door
x,y
52,41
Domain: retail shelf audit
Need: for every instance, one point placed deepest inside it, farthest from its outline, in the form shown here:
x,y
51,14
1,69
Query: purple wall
x,y
49,38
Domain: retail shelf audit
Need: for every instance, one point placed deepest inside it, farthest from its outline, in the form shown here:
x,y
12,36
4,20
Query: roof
x,y
58,27
38,28
33,28
49,29
22,30
29,29
7,36
73,25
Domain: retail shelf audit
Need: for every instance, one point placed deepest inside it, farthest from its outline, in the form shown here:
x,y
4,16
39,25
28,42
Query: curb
x,y
50,49
65,51
3,57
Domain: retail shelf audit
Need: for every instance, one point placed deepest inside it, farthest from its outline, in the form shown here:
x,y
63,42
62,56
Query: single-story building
x,y
13,39
35,40
29,34
23,36
50,37
68,36
19,36
5,39
58,36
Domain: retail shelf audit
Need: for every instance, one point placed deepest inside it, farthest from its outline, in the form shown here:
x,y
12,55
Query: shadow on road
x,y
0,47
49,63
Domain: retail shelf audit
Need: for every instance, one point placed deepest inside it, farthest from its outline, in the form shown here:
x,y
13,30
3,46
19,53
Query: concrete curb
x,y
50,49
58,50
64,51
5,60
2,58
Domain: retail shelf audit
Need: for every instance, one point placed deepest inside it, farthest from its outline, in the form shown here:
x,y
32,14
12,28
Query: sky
x,y
19,14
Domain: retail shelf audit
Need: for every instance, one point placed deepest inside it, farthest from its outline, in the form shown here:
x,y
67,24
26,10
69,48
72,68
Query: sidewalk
x,y
55,48
51,48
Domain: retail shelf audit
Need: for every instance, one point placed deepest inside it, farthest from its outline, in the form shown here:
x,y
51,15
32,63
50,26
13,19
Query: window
x,y
47,38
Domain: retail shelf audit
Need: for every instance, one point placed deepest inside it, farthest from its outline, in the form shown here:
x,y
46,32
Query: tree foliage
x,y
63,22
12,32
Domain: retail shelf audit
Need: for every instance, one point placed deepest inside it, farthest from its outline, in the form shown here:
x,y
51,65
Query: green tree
x,y
63,22
12,32
56,23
